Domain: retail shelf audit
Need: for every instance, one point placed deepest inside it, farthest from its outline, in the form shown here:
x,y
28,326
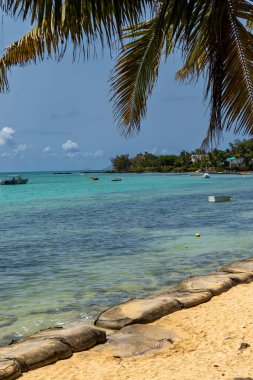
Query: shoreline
x,y
214,341
48,346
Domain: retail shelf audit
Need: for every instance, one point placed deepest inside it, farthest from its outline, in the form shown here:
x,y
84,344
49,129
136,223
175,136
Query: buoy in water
x,y
197,235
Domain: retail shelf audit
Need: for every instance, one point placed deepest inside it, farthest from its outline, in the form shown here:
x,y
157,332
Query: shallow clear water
x,y
71,246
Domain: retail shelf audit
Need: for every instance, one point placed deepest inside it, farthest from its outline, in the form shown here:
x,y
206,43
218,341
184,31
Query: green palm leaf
x,y
136,70
221,48
135,74
107,14
32,47
81,22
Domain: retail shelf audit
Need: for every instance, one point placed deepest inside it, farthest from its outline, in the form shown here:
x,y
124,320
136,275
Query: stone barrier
x,y
50,345
188,293
137,311
46,347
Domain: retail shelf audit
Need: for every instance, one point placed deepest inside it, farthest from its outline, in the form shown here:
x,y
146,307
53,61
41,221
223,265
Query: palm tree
x,y
213,36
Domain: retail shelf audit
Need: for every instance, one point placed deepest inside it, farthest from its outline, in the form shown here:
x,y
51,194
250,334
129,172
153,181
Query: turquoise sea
x,y
70,247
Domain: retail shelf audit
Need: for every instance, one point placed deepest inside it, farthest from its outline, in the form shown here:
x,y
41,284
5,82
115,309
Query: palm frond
x,y
220,47
135,74
31,48
101,15
78,21
136,70
230,73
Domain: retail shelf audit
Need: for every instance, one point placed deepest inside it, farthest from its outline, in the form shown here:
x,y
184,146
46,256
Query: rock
x,y
137,311
80,337
9,369
188,298
136,340
35,354
243,346
216,283
244,266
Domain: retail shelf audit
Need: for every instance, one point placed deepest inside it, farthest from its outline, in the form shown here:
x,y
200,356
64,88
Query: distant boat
x,y
94,178
117,179
219,198
18,180
62,173
206,175
196,174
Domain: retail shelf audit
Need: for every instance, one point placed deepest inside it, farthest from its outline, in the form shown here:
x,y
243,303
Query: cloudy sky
x,y
57,116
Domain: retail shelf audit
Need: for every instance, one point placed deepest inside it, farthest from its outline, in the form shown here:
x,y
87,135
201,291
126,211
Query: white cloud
x,y
5,154
47,149
6,135
71,148
21,148
18,151
97,153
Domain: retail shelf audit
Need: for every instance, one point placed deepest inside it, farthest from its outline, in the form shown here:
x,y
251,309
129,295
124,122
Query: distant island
x,y
238,157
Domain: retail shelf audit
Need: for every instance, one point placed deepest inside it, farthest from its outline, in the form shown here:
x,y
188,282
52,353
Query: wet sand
x,y
215,341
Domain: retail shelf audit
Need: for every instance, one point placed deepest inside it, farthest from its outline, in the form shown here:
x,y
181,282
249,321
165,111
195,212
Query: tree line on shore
x,y
199,159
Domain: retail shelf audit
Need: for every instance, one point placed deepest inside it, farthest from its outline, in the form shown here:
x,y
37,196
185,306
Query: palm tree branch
x,y
30,48
135,74
109,14
136,70
230,74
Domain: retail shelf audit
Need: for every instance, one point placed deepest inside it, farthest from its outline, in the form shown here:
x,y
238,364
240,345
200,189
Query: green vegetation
x,y
214,160
214,39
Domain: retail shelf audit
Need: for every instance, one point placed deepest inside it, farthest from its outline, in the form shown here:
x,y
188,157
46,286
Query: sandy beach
x,y
214,341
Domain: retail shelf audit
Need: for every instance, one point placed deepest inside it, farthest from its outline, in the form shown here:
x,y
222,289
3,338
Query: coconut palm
x,y
213,36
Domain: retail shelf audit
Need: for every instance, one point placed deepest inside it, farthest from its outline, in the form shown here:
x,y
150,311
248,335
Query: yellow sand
x,y
211,335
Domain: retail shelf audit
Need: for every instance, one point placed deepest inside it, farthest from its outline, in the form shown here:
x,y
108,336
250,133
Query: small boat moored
x,y
219,198
206,175
94,178
16,180
117,179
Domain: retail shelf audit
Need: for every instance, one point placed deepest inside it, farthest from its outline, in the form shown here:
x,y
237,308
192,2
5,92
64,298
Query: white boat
x,y
117,179
219,198
206,175
196,174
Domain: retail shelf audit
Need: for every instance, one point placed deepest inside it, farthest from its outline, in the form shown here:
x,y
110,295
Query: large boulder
x,y
216,283
80,337
10,369
137,311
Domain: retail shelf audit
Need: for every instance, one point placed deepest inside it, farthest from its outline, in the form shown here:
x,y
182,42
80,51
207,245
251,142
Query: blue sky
x,y
57,116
